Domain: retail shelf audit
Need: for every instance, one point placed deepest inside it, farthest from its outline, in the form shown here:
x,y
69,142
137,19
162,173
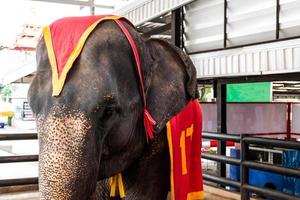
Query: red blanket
x,y
184,138
64,40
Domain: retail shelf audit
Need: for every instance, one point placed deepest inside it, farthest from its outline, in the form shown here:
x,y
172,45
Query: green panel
x,y
249,92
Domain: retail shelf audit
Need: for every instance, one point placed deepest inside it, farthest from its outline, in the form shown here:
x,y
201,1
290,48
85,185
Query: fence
x,y
245,164
14,159
243,185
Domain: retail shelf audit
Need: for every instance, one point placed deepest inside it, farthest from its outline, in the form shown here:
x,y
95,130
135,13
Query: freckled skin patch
x,y
63,165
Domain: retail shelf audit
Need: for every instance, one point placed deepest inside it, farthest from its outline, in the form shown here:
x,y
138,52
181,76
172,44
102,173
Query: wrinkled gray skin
x,y
94,129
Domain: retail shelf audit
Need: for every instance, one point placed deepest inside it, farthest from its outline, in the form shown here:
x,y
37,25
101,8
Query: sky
x,y
15,13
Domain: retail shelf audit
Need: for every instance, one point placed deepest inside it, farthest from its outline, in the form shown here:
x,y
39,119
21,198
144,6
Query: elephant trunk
x,y
69,160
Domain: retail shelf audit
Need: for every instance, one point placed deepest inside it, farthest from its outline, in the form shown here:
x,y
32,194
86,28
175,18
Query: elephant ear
x,y
191,85
172,83
189,67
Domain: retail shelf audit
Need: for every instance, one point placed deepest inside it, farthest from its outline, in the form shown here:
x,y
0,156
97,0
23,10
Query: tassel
x,y
113,185
149,122
115,181
121,186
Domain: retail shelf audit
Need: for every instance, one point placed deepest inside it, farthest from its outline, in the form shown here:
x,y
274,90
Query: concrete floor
x,y
211,193
31,195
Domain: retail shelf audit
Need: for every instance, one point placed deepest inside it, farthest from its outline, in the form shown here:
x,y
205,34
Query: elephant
x,y
94,129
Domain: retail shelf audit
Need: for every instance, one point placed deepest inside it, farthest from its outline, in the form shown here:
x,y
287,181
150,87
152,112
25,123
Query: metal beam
x,y
158,30
272,168
224,159
14,182
14,159
260,78
220,180
270,193
76,2
219,136
291,92
21,136
272,142
162,19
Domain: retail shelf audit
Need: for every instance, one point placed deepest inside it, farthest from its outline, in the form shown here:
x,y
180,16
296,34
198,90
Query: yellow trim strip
x,y
121,186
58,82
51,55
195,196
183,152
115,181
113,185
169,136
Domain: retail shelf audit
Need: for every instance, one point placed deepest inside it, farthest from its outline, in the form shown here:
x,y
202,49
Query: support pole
x,y
277,19
177,27
243,169
215,89
225,25
288,122
92,7
221,124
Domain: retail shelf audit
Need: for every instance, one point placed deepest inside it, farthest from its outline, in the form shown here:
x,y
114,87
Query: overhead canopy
x,y
139,12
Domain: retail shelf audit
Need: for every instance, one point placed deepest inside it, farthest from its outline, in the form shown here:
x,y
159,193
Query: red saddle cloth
x,y
65,39
184,137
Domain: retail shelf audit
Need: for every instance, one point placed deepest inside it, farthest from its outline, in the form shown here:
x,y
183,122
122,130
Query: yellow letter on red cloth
x,y
184,138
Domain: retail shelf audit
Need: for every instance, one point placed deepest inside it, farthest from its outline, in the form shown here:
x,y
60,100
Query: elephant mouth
x,y
108,168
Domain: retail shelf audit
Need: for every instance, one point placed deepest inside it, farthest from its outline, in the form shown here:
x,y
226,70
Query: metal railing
x,y
14,159
243,185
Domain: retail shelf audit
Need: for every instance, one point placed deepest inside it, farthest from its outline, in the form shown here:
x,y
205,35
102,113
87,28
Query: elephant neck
x,y
149,177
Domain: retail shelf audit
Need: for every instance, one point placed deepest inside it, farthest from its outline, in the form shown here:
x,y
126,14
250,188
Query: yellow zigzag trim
x,y
58,81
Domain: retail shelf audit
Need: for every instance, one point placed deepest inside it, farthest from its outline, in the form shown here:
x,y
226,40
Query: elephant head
x,y
94,128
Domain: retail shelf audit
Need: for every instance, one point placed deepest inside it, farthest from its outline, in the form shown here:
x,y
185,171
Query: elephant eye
x,y
111,110
108,112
